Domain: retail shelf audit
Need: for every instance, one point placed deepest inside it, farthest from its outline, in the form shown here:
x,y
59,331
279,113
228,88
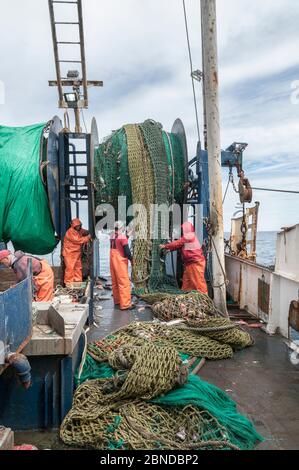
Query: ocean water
x,y
266,245
266,248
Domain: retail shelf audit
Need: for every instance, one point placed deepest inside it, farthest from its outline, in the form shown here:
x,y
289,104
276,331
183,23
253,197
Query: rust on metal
x,y
263,296
216,77
294,315
245,189
240,284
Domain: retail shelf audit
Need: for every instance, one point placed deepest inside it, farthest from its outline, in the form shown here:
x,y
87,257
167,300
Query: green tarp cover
x,y
25,217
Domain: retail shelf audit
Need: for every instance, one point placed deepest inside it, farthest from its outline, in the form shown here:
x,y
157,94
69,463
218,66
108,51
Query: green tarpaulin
x,y
25,217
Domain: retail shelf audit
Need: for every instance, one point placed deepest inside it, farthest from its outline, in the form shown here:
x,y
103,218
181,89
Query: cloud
x,y
139,50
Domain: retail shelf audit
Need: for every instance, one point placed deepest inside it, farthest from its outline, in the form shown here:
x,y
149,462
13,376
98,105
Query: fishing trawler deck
x,y
260,379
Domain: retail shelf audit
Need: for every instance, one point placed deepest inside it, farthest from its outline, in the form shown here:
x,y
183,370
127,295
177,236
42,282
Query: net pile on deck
x,y
202,328
140,396
191,305
147,165
214,338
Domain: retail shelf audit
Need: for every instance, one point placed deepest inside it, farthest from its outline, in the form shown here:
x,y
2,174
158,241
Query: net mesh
x,y
139,395
145,164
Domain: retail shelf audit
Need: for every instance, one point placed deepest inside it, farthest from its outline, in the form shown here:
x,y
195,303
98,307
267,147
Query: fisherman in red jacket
x,y
43,275
193,259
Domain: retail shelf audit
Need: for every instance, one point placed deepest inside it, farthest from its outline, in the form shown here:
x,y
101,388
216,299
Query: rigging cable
x,y
191,68
276,190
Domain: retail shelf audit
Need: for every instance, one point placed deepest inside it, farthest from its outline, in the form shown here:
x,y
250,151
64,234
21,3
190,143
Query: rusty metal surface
x,y
263,296
294,315
245,190
7,279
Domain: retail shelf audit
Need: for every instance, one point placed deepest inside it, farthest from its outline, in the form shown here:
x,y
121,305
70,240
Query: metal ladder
x,y
80,84
75,174
75,148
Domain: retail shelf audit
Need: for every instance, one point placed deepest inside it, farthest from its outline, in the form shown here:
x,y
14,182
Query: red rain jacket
x,y
21,264
189,245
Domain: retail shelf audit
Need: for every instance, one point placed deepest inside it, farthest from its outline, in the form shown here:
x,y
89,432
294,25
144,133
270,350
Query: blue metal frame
x,y
230,158
15,316
45,404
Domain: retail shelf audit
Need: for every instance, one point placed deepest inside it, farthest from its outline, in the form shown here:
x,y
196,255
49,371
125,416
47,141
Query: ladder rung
x,y
79,164
82,190
71,61
79,152
67,42
66,22
63,1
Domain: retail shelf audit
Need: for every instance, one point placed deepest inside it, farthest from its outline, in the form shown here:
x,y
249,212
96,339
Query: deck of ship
x,y
261,380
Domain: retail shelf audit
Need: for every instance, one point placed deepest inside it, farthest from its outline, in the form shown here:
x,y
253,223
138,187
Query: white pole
x,y
211,97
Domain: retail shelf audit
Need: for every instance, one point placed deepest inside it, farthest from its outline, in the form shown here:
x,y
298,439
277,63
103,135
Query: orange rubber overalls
x,y
72,252
42,273
44,283
193,259
121,285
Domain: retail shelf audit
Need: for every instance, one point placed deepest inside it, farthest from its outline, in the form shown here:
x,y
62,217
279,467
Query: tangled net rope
x,y
144,399
143,195
147,165
211,338
193,305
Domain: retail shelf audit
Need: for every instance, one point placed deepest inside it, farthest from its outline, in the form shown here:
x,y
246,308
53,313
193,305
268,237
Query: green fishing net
x,y
147,165
135,397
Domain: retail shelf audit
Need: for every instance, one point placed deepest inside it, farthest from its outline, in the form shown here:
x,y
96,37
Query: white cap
x,y
119,225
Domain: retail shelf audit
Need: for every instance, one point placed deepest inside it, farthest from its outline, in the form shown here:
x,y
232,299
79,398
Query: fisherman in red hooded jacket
x,y
73,242
43,275
193,259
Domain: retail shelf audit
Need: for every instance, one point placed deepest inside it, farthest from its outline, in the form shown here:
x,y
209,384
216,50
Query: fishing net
x,y
193,305
143,196
111,171
147,165
196,339
176,166
143,398
25,217
222,330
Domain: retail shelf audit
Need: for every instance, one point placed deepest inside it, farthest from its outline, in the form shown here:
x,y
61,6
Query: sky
x,y
138,48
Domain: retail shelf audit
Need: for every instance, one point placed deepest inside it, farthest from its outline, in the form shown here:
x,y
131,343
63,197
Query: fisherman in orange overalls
x,y
73,242
193,259
43,276
120,255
